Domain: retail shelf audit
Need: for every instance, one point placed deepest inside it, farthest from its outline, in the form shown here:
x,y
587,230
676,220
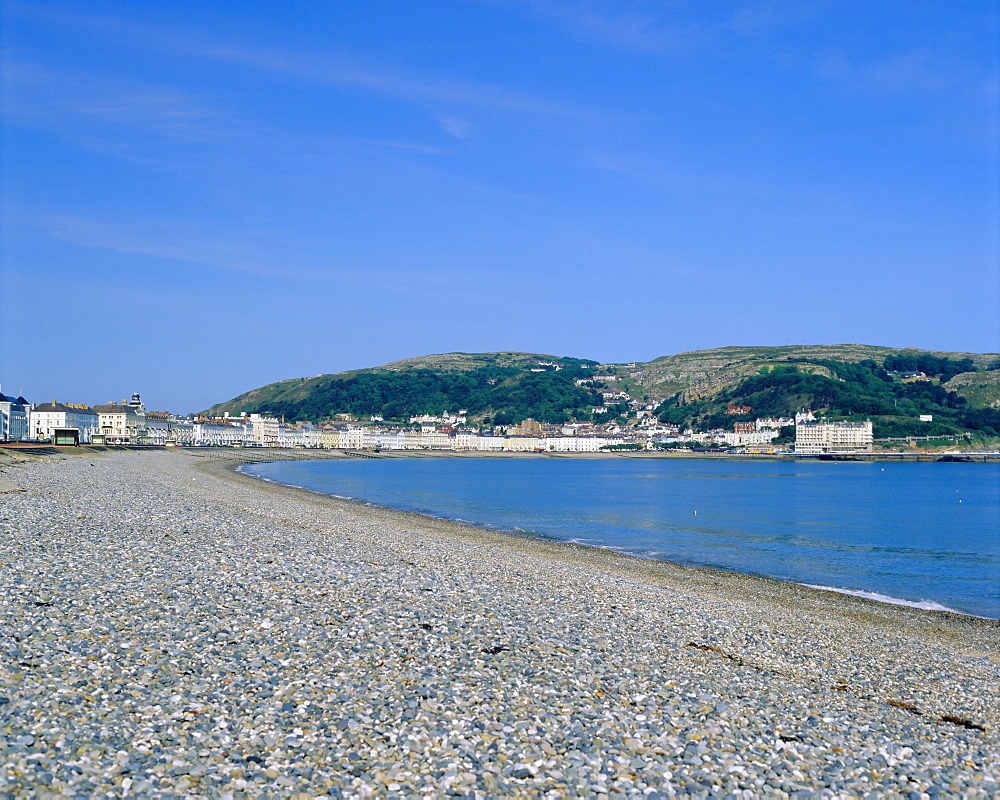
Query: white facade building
x,y
774,423
523,444
834,437
14,422
45,418
749,437
122,423
265,431
574,444
163,427
217,433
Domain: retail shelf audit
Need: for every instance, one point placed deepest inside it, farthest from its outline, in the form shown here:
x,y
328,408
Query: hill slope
x,y
509,386
702,373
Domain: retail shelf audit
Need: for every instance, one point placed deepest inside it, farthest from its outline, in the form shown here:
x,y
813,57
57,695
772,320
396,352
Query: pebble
x,y
170,630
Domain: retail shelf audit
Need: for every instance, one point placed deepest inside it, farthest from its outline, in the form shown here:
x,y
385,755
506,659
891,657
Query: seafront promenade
x,y
172,628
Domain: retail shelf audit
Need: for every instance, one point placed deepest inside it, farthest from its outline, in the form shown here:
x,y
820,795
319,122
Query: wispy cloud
x,y
338,70
410,147
105,113
173,241
676,28
641,28
332,68
240,253
456,126
765,17
918,70
683,180
35,90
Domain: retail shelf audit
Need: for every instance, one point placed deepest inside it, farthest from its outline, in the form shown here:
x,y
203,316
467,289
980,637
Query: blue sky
x,y
204,197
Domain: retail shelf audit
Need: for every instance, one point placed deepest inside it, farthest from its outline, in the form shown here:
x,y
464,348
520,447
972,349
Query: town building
x,y
527,428
773,423
523,444
742,438
46,418
266,431
330,437
833,437
122,423
14,422
220,433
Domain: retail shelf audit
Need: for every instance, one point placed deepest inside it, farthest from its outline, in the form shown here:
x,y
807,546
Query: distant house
x,y
527,428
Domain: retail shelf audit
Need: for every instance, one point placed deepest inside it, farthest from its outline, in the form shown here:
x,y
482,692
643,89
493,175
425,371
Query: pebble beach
x,y
172,628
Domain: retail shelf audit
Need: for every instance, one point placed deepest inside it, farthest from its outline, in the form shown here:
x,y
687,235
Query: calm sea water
x,y
925,534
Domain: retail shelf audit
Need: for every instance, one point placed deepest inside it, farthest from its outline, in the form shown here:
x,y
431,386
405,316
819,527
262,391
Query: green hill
x,y
497,388
866,389
693,388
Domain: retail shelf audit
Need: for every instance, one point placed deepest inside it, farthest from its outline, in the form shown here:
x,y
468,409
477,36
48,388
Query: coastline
x,y
866,594
745,681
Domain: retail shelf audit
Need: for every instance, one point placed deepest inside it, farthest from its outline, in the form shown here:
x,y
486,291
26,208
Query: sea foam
x,y
926,605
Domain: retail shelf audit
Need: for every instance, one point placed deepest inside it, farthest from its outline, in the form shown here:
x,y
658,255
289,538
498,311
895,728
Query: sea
x,y
919,534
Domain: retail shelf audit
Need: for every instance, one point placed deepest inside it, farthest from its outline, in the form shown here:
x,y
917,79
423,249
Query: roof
x,y
59,407
113,408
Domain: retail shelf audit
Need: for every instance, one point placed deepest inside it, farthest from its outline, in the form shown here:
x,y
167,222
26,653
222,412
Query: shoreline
x,y
254,454
878,611
867,595
184,628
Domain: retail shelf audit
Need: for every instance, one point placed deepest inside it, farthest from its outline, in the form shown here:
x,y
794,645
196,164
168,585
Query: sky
x,y
200,198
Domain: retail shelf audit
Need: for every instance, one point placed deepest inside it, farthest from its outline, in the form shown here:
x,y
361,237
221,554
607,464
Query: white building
x,y
744,438
774,423
522,444
353,437
834,437
466,441
392,441
574,444
312,436
435,440
266,431
14,422
163,427
220,433
122,423
45,418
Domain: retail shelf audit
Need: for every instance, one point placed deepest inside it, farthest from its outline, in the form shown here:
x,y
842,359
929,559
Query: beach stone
x,y
170,628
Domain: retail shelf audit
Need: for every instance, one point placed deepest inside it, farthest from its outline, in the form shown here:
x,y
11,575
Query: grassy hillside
x,y
853,391
500,388
981,389
694,387
704,373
